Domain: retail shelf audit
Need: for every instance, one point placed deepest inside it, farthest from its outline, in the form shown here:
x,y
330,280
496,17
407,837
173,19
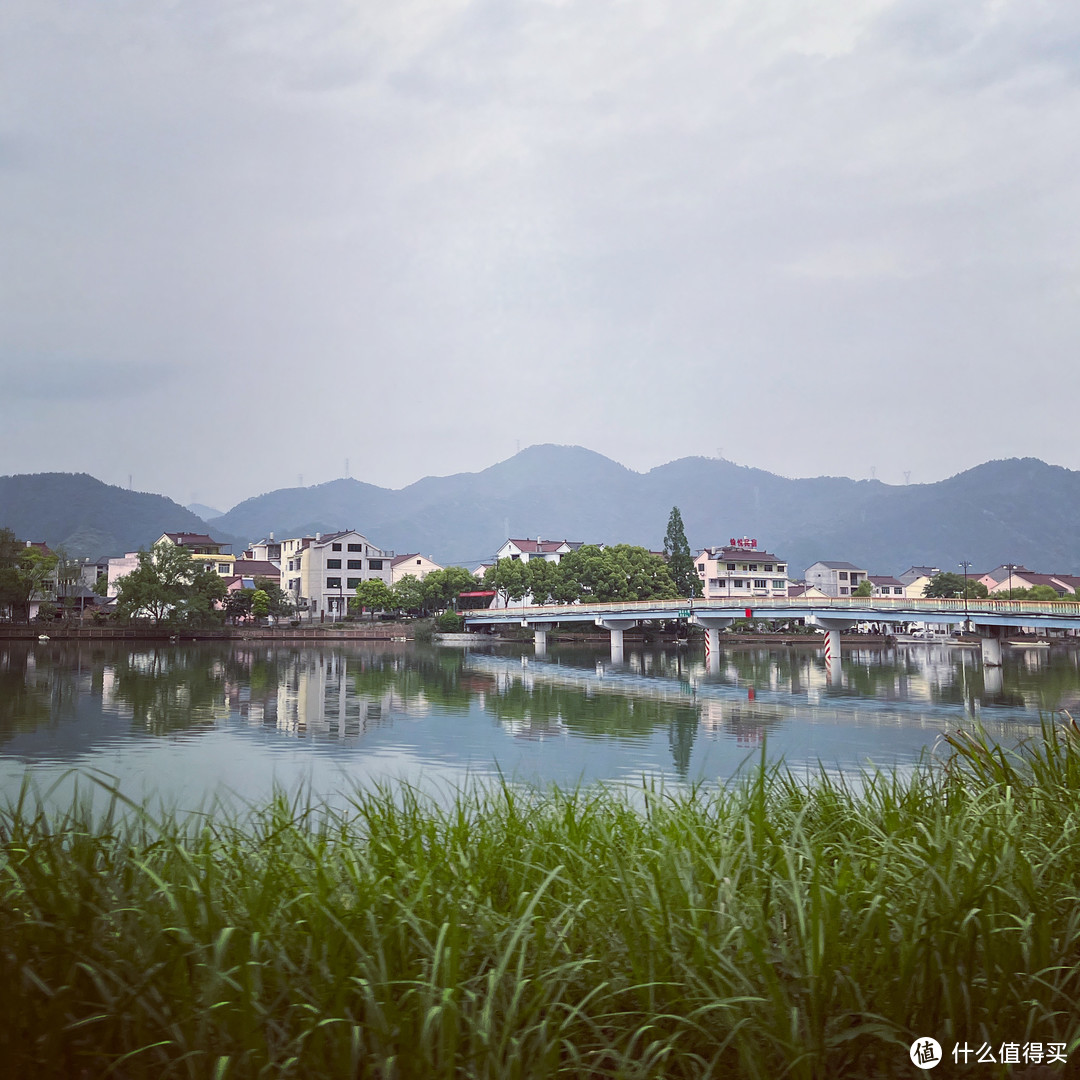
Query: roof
x,y
746,554
183,539
256,568
412,555
836,565
885,580
540,547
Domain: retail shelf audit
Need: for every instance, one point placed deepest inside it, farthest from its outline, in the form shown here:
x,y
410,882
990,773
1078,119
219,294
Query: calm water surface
x,y
186,721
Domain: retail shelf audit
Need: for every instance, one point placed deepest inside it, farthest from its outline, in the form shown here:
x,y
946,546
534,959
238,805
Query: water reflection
x,y
571,715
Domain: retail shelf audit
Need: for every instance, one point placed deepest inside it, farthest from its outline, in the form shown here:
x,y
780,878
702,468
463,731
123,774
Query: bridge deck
x,y
1050,614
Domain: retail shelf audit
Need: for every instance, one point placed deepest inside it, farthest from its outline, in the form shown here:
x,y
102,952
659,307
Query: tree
x,y
950,586
621,572
281,604
441,587
238,603
509,578
680,561
374,595
408,594
260,604
167,584
864,588
541,576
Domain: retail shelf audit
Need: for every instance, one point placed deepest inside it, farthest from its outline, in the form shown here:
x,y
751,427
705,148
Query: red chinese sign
x,y
745,542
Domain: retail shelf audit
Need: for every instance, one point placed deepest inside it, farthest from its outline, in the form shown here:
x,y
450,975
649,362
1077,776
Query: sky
x,y
249,244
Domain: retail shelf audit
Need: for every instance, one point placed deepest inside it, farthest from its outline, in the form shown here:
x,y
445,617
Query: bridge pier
x,y
712,624
540,633
833,629
990,648
616,627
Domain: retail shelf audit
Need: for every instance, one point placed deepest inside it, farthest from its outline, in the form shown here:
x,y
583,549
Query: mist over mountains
x,y
1017,510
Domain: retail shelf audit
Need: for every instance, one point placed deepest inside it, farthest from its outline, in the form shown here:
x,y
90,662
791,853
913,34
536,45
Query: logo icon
x,y
925,1052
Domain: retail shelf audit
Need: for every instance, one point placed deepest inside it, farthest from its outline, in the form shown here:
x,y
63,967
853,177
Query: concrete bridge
x,y
990,619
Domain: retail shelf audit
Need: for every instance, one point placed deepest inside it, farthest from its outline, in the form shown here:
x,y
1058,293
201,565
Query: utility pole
x,y
967,619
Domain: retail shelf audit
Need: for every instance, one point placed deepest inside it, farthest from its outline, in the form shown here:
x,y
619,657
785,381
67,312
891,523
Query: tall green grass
x,y
767,929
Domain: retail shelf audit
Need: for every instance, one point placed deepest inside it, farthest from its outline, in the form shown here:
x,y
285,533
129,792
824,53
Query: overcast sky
x,y
242,242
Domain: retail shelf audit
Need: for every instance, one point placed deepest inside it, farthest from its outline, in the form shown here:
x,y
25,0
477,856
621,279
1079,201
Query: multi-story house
x,y
887,586
835,578
204,550
551,550
414,563
739,568
321,572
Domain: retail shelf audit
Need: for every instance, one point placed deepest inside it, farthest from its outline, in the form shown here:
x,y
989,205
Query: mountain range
x,y
1017,510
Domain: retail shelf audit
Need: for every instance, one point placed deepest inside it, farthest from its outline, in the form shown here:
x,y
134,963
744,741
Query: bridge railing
x,y
761,605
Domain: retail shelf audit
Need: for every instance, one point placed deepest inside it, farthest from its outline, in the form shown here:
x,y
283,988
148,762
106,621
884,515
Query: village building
x,y
740,569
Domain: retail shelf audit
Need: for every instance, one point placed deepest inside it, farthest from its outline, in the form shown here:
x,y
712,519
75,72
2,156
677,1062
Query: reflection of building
x,y
323,693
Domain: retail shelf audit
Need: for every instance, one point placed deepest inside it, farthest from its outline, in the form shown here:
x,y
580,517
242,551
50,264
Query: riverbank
x,y
763,929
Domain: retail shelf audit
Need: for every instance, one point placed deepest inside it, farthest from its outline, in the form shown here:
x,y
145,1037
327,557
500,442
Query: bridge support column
x,y
540,633
712,625
616,627
990,647
832,628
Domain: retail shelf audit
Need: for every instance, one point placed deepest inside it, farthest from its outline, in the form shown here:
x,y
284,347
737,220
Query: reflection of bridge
x,y
990,618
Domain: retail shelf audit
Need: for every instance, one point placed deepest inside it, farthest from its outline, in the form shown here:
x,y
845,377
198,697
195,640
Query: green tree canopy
x,y
373,595
679,559
864,588
509,578
167,584
948,585
408,594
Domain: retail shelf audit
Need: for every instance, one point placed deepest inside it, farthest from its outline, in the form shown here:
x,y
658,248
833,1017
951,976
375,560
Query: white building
x,y
550,550
321,572
741,569
835,578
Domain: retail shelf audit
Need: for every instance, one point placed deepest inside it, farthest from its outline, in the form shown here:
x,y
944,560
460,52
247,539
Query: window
x,y
356,547
335,547
333,564
731,566
374,564
223,568
714,583
778,584
760,583
898,590
738,583
767,568
352,582
701,568
356,564
419,561
844,592
752,568
333,583
842,575
515,556
780,568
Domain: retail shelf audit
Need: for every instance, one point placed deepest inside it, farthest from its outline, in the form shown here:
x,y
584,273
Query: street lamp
x,y
967,619
1010,567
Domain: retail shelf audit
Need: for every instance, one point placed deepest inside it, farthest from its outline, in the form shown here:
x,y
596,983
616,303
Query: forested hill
x,y
1019,510
87,517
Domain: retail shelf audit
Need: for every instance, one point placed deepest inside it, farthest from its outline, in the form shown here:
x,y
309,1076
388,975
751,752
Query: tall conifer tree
x,y
680,561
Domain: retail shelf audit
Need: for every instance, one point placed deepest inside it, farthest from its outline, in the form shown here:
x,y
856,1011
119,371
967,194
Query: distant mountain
x,y
1022,511
207,513
1019,510
89,518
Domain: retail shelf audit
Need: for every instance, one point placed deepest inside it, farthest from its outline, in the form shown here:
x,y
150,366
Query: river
x,y
187,722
